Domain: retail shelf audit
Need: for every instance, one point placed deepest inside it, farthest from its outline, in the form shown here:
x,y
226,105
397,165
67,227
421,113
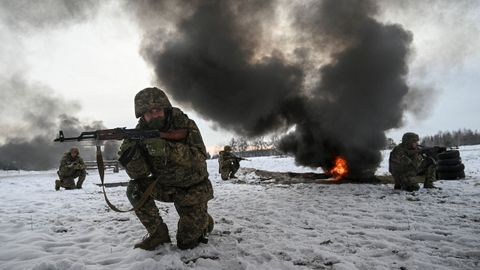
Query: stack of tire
x,y
450,166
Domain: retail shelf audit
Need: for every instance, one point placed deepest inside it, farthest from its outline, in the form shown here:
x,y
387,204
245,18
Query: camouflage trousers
x,y
406,180
191,205
229,169
69,181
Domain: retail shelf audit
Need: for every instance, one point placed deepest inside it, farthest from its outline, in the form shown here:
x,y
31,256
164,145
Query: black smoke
x,y
360,92
342,85
211,64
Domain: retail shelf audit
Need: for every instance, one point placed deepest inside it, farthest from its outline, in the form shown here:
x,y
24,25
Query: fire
x,y
340,169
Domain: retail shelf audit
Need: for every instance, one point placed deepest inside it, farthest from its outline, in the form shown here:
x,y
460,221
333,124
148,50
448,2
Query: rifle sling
x,y
101,172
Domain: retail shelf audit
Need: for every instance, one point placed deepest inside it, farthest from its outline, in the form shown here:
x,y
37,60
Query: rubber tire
x,y
451,175
449,154
449,162
451,168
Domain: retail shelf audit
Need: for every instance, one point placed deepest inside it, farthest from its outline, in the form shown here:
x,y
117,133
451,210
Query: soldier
x,y
178,168
406,162
71,167
228,163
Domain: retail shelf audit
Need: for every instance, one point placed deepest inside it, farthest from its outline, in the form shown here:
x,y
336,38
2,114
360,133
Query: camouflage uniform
x,y
406,162
181,171
70,168
228,163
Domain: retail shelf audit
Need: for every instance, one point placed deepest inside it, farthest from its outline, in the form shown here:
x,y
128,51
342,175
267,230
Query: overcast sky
x,y
93,64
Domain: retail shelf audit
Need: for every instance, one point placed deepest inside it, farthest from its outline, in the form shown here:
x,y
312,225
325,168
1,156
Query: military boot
x,y
80,181
57,184
211,224
429,185
411,187
153,240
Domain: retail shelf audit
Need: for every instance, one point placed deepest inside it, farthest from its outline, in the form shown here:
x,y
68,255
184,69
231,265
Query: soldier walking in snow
x,y
406,162
228,163
176,170
71,167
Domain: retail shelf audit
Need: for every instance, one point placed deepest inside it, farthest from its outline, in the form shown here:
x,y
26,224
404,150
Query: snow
x,y
268,226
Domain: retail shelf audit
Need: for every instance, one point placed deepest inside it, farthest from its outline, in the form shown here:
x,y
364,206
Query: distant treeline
x,y
453,138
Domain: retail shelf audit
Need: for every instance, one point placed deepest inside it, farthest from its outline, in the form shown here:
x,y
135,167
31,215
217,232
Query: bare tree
x,y
242,144
234,144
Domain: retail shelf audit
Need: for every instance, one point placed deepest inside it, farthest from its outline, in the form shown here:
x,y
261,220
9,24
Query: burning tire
x,y
451,175
451,161
451,168
450,154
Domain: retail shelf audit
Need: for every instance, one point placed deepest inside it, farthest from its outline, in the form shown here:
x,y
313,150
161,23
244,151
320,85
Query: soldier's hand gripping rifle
x,y
431,152
241,158
122,134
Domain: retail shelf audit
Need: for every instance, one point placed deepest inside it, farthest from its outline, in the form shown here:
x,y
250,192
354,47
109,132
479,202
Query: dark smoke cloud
x,y
211,64
360,93
342,88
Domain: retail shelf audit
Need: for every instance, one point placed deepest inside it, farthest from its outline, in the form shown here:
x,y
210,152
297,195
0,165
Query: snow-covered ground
x,y
303,226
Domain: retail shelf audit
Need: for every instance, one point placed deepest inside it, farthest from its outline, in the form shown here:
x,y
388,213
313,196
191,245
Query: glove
x,y
132,159
155,147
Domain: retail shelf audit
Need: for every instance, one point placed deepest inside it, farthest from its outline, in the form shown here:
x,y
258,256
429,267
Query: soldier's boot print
x,y
80,181
154,239
57,185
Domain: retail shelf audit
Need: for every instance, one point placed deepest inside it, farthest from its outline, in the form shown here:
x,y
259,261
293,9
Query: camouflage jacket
x,y
404,161
69,165
173,163
225,158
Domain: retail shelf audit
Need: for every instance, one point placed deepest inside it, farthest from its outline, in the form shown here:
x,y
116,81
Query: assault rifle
x,y
124,133
241,158
431,152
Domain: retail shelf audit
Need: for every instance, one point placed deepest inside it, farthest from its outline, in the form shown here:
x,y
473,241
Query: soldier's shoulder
x,y
181,119
397,150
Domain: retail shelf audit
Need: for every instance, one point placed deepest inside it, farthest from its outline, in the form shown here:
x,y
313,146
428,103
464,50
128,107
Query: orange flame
x,y
340,169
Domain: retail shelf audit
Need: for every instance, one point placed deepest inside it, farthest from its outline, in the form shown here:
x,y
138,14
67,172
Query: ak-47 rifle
x,y
241,158
431,152
122,134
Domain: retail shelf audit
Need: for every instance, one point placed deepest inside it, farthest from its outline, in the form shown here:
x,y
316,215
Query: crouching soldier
x,y
71,167
406,162
175,169
228,163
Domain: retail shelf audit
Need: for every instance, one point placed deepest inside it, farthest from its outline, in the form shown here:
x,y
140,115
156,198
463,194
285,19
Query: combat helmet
x,y
409,138
150,98
74,150
227,148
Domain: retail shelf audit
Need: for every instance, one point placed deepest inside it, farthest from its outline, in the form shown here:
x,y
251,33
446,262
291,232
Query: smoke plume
x,y
342,84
